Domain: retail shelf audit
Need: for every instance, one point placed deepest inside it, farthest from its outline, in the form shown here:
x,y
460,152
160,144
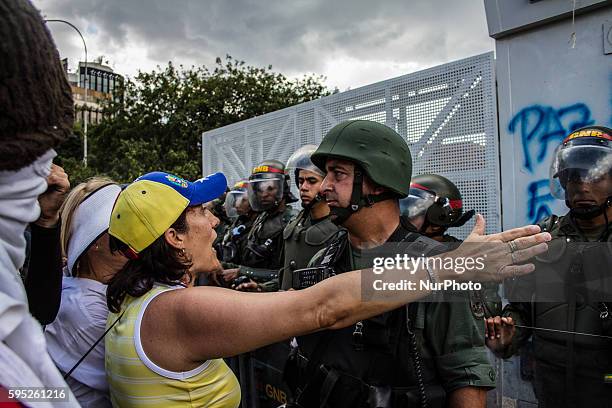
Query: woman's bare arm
x,y
200,323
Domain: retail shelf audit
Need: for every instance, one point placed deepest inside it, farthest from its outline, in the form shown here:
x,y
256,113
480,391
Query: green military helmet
x,y
438,199
380,151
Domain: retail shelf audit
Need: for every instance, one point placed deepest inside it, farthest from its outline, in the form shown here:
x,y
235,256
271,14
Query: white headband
x,y
90,220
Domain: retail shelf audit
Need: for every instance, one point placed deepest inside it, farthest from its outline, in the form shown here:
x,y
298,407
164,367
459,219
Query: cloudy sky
x,y
351,42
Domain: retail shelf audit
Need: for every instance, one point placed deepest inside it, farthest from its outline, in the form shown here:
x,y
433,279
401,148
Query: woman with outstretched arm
x,y
167,337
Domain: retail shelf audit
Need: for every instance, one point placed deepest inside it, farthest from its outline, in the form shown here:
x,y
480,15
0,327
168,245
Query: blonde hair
x,y
73,200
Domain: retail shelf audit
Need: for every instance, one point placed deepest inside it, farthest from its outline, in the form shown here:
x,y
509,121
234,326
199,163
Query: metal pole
x,y
86,83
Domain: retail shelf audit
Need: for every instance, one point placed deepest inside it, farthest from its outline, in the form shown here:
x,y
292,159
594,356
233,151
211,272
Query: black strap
x,y
92,347
328,386
416,356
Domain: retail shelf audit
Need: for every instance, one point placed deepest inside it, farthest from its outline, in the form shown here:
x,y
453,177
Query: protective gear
x,y
237,200
377,151
268,186
233,245
387,360
438,199
584,156
264,242
570,291
300,160
304,237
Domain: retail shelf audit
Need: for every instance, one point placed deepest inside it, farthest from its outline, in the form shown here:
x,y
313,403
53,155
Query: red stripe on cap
x,y
267,169
420,187
456,204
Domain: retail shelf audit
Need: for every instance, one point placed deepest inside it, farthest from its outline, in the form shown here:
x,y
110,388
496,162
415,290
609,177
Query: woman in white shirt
x,y
81,320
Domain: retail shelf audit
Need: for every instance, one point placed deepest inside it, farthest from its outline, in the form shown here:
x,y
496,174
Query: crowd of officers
x,y
428,354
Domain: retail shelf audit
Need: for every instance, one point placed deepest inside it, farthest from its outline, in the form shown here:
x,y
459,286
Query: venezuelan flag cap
x,y
154,201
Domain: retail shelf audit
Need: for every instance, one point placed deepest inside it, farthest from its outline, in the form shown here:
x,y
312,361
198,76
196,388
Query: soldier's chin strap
x,y
590,212
358,200
465,217
317,199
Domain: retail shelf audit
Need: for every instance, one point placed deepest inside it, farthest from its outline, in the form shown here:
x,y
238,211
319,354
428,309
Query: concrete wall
x,y
546,87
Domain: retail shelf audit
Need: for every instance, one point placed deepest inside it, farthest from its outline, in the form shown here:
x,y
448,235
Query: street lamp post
x,y
85,82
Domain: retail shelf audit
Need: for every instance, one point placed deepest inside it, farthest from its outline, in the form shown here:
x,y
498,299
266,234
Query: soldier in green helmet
x,y
268,194
434,204
426,354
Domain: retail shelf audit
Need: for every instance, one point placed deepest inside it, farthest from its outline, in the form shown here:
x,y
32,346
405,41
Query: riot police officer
x,y
269,194
427,354
237,209
216,207
434,204
311,229
566,306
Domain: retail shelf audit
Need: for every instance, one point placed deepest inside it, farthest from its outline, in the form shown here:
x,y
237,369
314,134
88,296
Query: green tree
x,y
157,119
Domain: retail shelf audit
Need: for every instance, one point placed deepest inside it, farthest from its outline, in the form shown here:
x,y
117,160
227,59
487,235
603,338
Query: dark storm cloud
x,y
293,36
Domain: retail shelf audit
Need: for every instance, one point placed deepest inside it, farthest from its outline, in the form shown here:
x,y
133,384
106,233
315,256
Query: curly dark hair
x,y
36,111
159,262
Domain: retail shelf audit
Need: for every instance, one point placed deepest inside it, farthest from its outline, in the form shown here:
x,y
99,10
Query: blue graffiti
x,y
540,125
539,195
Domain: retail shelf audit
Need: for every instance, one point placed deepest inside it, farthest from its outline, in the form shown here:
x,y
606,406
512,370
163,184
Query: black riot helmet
x,y
584,156
237,201
268,186
438,199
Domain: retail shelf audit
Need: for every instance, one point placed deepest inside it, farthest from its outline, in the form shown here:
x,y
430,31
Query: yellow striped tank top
x,y
136,381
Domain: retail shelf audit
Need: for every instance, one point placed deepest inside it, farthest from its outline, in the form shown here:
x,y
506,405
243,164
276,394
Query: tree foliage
x,y
157,119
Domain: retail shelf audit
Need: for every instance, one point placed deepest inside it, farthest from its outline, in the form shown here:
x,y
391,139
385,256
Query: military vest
x,y
265,239
571,290
375,362
233,243
302,240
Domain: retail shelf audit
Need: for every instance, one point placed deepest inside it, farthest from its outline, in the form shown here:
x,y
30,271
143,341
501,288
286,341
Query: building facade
x,y
101,83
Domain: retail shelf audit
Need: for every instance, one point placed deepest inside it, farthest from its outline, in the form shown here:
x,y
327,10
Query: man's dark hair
x,y
36,111
159,262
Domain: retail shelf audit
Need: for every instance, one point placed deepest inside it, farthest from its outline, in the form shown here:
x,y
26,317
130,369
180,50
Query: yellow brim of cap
x,y
144,211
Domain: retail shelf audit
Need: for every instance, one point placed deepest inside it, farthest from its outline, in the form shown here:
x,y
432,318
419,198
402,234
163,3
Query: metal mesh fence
x,y
447,114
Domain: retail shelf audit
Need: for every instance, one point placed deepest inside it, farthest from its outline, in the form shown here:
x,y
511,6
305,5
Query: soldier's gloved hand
x,y
230,274
499,332
250,286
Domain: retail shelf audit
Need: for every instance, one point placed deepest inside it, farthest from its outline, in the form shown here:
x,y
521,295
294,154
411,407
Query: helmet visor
x,y
417,202
236,203
579,163
300,160
265,191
